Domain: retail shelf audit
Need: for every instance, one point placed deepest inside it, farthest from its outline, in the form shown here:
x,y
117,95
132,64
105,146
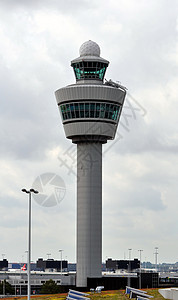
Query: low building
x,y
122,264
3,264
52,265
19,280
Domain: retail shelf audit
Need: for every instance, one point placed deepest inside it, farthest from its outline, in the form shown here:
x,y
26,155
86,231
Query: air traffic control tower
x,y
90,110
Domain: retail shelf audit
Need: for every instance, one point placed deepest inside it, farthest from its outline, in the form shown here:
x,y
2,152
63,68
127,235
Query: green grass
x,y
104,295
120,295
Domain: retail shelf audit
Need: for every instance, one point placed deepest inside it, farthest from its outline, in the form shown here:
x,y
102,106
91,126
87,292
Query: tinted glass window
x,y
81,110
76,107
90,110
87,110
89,70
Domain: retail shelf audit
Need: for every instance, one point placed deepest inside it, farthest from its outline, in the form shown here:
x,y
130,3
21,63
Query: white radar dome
x,y
89,48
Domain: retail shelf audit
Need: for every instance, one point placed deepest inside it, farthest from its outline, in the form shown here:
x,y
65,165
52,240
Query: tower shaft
x,y
89,211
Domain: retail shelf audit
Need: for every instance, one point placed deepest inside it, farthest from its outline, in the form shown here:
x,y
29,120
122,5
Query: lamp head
x,y
25,191
34,191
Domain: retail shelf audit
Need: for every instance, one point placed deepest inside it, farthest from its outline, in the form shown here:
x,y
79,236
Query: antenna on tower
x,y
116,84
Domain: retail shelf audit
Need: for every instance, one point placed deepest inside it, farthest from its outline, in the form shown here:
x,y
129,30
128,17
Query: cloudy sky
x,y
140,168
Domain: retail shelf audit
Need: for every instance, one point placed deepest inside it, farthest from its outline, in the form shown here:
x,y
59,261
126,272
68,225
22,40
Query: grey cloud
x,y
151,37
142,134
146,198
23,139
12,222
63,5
30,124
13,213
141,198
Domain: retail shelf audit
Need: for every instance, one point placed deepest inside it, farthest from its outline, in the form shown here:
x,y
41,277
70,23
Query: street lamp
x,y
29,237
61,260
129,267
140,282
156,258
48,254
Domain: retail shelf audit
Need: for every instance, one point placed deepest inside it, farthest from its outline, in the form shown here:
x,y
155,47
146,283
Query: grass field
x,y
104,295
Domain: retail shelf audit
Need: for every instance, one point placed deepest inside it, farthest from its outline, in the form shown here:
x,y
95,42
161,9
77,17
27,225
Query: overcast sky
x,y
38,40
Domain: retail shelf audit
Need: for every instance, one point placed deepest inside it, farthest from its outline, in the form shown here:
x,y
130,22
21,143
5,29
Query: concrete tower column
x,y
89,211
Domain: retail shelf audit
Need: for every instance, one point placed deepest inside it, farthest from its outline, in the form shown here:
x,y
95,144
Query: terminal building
x,y
52,265
3,264
67,280
113,279
19,280
113,265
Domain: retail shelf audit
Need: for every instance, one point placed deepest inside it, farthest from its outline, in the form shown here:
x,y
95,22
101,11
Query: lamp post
x,y
4,289
4,283
140,282
48,254
156,258
29,237
61,260
145,263
129,267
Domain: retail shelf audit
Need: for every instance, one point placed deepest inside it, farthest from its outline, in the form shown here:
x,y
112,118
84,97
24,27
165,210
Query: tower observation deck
x,y
90,112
